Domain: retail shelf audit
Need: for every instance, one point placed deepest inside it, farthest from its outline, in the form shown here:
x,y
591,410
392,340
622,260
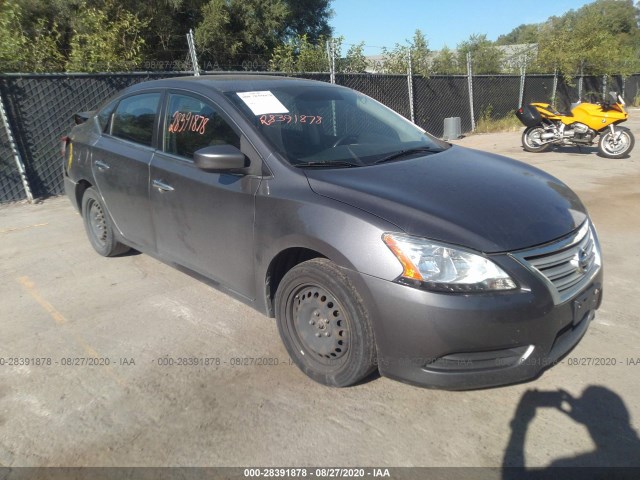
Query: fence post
x,y
410,88
331,53
604,86
580,81
470,83
192,54
523,73
555,87
14,151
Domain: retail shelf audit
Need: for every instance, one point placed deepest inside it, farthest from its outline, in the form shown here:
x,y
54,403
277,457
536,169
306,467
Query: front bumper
x,y
458,342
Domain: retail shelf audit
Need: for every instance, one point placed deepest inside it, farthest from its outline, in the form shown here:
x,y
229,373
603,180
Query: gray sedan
x,y
372,243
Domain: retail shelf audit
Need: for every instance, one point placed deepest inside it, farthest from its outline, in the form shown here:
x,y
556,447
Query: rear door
x,y
203,220
120,164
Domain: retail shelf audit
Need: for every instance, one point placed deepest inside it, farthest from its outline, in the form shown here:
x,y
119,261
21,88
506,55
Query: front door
x,y
202,220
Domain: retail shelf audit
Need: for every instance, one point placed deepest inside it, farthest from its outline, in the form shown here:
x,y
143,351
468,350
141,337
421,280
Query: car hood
x,y
466,197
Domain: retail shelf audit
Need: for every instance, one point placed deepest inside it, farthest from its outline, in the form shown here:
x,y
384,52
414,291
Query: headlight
x,y
444,268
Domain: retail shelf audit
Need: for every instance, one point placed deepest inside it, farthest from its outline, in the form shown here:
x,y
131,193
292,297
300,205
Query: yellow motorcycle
x,y
547,127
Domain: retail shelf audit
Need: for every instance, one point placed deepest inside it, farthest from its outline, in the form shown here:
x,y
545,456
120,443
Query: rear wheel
x,y
324,325
98,226
617,144
532,141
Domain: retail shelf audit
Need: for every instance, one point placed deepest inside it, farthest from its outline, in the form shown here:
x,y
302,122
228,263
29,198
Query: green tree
x,y
310,18
103,44
234,31
525,33
396,60
12,39
314,57
231,31
167,23
600,38
300,55
486,58
35,51
43,51
446,63
355,61
284,57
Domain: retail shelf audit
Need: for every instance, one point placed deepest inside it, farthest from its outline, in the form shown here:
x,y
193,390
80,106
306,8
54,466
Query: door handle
x,y
102,166
162,187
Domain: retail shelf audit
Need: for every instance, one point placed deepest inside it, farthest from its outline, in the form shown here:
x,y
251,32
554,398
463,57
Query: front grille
x,y
567,265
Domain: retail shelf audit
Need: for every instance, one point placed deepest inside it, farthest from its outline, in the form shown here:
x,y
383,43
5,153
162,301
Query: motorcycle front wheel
x,y
616,145
532,142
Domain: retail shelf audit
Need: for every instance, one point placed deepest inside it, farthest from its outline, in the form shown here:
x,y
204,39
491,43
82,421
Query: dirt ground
x,y
61,302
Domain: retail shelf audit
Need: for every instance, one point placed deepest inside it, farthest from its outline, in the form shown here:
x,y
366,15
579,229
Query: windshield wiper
x,y
333,164
409,151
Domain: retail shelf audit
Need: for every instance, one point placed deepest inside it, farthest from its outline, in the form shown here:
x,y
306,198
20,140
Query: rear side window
x,y
134,118
192,124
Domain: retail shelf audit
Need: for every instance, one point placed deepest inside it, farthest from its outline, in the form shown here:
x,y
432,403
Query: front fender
x,y
349,237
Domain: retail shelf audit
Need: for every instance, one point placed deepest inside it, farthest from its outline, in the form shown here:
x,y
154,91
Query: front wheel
x,y
532,141
617,144
324,325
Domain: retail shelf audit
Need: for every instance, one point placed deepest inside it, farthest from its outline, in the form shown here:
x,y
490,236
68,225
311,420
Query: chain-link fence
x,y
632,90
540,88
392,90
440,97
11,188
495,96
40,108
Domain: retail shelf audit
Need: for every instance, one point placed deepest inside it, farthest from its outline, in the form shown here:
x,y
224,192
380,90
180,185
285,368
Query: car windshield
x,y
327,126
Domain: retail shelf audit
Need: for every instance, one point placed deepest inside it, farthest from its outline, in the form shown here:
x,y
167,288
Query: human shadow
x,y
600,410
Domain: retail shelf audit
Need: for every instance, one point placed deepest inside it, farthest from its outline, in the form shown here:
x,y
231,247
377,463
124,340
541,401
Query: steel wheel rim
x,y
97,222
320,325
616,147
531,137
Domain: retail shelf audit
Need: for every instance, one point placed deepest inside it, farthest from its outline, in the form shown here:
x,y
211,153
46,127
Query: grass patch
x,y
488,124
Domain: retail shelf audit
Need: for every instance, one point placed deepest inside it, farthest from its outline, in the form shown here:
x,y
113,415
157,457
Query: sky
x,y
383,23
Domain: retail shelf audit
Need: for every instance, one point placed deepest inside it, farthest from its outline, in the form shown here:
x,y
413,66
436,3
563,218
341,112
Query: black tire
x,y
324,325
99,227
531,140
609,148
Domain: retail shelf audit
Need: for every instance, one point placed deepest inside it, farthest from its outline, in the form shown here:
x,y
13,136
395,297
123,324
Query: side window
x,y
192,124
105,114
134,118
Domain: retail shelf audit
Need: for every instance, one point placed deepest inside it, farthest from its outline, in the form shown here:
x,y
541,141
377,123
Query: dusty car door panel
x,y
196,214
121,159
121,172
200,215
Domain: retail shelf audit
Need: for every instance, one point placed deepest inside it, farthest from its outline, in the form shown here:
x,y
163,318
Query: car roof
x,y
227,83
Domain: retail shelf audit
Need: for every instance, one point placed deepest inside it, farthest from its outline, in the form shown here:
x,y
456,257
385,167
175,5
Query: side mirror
x,y
81,117
221,159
